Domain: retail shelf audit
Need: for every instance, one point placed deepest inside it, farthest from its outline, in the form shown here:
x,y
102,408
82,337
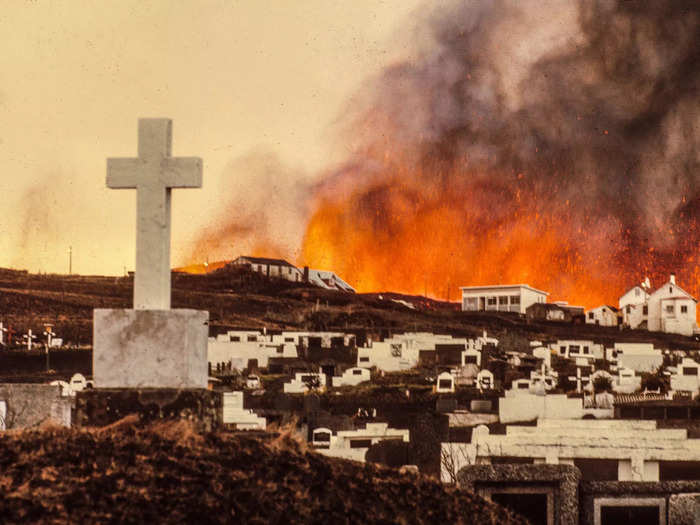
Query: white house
x,y
242,419
672,309
668,309
640,357
351,377
604,315
501,298
687,377
271,267
354,444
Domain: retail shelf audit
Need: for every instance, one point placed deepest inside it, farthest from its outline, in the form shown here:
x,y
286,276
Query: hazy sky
x,y
235,76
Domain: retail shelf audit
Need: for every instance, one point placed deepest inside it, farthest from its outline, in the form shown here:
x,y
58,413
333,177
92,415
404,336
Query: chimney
x,y
306,274
673,278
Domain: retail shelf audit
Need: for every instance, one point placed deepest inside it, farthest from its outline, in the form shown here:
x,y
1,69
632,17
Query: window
x,y
684,309
574,349
503,300
562,350
471,303
364,359
590,315
645,310
357,372
236,338
514,299
280,349
629,308
288,339
585,349
636,292
690,370
670,289
492,301
669,309
252,338
396,350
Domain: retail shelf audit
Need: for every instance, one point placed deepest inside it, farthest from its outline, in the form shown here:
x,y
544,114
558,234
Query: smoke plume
x,y
547,142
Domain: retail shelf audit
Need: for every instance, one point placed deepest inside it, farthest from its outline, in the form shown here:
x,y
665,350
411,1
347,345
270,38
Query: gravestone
x,y
152,345
151,360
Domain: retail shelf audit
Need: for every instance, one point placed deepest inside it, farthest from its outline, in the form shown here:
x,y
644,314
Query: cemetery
x,y
551,421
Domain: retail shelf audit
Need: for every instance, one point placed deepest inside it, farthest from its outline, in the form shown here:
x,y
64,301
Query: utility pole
x,y
70,260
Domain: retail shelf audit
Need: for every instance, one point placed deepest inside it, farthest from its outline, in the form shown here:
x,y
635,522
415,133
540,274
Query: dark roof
x,y
265,260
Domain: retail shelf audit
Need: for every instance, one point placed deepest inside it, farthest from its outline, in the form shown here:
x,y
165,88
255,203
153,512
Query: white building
x,y
638,450
687,377
241,419
302,380
329,281
578,349
501,298
351,377
402,351
271,267
604,315
354,444
640,357
668,309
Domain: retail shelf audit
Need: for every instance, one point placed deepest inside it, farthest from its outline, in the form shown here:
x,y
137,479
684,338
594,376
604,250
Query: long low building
x,y
501,298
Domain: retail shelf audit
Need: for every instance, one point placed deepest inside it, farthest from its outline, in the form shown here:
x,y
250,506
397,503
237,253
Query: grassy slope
x,y
169,473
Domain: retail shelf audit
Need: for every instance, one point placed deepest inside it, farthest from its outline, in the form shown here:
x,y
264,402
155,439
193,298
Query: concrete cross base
x,y
103,406
150,348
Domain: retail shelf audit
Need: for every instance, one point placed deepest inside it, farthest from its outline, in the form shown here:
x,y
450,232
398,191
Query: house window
x,y
590,315
471,303
236,339
492,301
503,300
669,309
684,309
562,350
585,349
252,338
629,308
670,289
645,310
514,299
574,349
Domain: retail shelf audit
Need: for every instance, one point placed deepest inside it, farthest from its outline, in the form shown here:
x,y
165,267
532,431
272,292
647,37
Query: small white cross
x,y
153,174
3,330
30,339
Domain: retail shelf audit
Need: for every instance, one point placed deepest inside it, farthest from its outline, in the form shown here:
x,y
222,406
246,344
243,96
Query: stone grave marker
x,y
151,346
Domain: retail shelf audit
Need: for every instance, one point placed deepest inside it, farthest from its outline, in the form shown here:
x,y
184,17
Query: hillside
x,y
237,298
169,473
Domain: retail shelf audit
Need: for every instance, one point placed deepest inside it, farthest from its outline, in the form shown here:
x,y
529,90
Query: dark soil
x,y
169,473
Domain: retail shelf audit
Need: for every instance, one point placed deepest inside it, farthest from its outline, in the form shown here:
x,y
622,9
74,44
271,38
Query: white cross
x,y
153,174
3,330
30,339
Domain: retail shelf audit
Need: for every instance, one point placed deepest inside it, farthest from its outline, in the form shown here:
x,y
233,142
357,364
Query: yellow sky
x,y
235,76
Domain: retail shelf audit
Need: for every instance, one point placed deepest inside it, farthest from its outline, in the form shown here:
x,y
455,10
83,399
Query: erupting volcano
x,y
549,143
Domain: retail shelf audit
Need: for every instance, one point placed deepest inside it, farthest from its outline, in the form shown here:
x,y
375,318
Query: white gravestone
x,y
151,345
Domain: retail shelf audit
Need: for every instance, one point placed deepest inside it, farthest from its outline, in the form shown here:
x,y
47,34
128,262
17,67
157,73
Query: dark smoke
x,y
591,111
